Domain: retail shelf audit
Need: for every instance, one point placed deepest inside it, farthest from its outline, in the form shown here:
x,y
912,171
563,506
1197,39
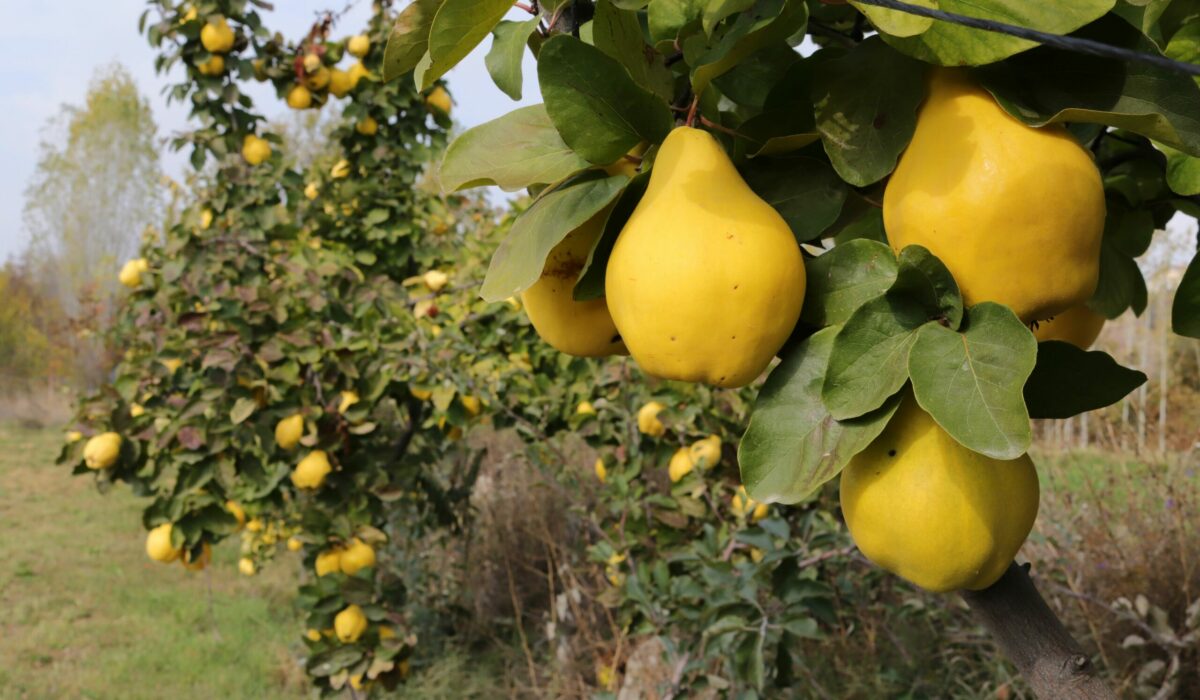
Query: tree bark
x,y
1033,638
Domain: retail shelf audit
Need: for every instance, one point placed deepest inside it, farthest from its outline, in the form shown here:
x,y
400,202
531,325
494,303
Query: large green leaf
x,y
786,121
1067,381
924,279
971,382
520,149
457,29
1185,309
1127,234
895,22
618,33
1185,44
503,61
869,360
409,39
518,261
767,22
591,280
792,444
805,191
1047,86
667,18
948,44
1183,171
866,109
845,278
598,109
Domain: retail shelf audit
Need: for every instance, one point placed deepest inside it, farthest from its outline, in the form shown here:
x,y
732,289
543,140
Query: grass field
x,y
85,614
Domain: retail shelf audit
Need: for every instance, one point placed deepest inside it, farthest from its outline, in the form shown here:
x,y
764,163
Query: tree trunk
x,y
1033,638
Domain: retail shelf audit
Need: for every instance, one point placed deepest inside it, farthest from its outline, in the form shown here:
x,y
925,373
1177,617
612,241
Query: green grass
x,y
85,614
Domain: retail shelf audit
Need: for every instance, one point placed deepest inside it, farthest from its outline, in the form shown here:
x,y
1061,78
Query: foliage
x,y
283,292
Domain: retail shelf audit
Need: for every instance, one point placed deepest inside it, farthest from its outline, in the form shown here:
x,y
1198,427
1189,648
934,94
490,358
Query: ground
x,y
85,614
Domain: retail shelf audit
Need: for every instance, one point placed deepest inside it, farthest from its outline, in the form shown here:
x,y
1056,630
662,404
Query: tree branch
x,y
1033,638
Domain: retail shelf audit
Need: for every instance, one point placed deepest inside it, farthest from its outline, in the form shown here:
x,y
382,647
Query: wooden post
x,y
1033,638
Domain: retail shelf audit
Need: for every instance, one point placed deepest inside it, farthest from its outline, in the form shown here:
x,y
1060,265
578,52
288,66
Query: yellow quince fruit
x,y
358,556
299,97
601,470
158,545
340,169
214,66
289,431
246,566
340,82
706,280
101,451
294,544
255,150
438,101
707,452
367,126
435,280
359,45
310,473
580,328
929,510
1079,326
328,562
312,635
318,80
1015,213
235,509
681,464
197,563
350,624
217,36
348,399
647,419
131,273
356,73
585,408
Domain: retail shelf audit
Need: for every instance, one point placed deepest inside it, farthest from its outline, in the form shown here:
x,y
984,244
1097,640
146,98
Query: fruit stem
x,y
1035,640
691,115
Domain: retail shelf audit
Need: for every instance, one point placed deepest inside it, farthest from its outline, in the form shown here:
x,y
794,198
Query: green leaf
x,y
596,107
786,120
845,278
1185,44
591,280
923,278
520,149
769,21
409,39
947,44
1121,285
618,33
518,261
1185,309
1047,86
971,382
329,662
806,192
869,361
866,109
1067,381
667,18
457,29
1183,171
503,61
242,408
895,22
792,445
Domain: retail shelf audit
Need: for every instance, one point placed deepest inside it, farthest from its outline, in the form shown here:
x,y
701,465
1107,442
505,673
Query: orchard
x,y
780,285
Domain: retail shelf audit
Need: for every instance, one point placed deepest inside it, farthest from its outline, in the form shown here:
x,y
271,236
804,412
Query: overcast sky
x,y
50,50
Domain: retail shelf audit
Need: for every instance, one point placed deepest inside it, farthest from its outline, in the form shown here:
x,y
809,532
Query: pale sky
x,y
49,51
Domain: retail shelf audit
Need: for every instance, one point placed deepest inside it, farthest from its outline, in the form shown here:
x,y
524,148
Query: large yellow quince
x,y
1015,213
288,431
217,36
927,509
158,545
358,556
131,273
101,451
706,281
350,624
681,464
706,453
340,82
214,66
581,328
1079,326
647,419
311,471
